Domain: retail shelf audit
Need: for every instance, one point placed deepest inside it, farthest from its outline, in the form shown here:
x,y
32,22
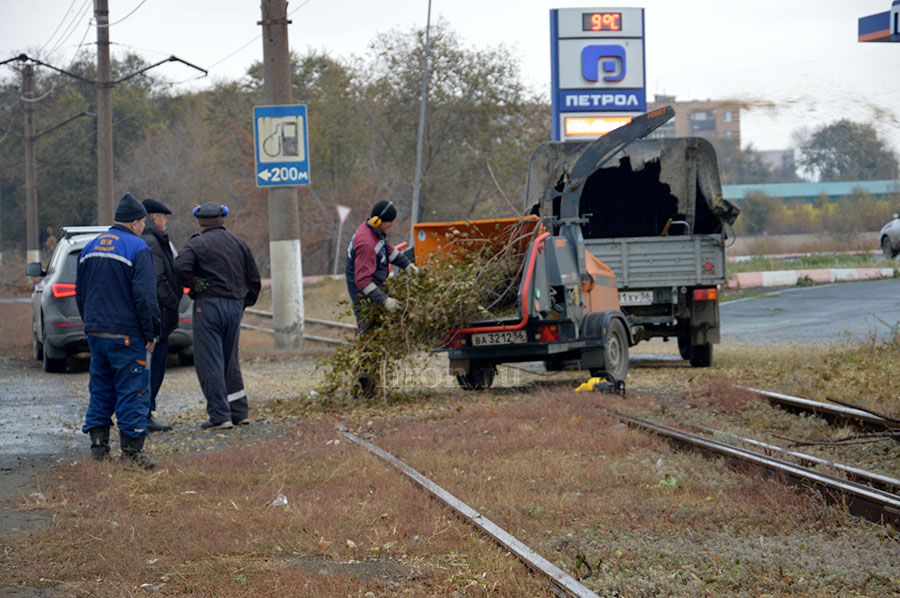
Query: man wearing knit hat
x,y
116,297
368,257
168,295
220,270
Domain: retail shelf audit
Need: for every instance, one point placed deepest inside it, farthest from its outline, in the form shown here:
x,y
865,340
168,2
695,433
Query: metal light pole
x,y
417,186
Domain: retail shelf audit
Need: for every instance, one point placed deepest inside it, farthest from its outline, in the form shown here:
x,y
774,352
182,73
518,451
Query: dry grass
x,y
547,466
801,243
206,525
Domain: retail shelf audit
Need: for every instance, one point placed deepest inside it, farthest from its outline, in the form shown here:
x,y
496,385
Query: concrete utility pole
x,y
104,117
32,249
284,213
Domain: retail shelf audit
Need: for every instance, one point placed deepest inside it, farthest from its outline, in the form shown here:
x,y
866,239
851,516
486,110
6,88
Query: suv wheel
x,y
38,348
53,365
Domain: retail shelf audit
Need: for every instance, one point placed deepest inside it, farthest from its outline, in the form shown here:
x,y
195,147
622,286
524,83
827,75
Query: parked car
x,y
57,329
889,237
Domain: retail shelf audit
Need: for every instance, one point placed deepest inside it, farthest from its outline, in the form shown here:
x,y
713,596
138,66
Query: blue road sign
x,y
279,134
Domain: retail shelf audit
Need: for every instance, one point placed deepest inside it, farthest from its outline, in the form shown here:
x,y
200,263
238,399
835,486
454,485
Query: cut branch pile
x,y
468,279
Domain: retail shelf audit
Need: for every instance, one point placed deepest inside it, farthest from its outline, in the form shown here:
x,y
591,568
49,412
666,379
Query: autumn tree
x,y
848,151
481,124
740,166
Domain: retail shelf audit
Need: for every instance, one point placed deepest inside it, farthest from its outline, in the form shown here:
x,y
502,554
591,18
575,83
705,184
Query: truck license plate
x,y
635,297
506,337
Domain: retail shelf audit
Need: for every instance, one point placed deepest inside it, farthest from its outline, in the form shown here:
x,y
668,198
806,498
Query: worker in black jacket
x,y
168,295
220,270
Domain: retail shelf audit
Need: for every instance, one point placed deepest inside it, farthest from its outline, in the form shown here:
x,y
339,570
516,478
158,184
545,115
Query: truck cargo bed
x,y
644,262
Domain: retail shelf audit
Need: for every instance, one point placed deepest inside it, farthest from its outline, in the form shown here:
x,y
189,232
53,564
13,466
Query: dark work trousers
x,y
364,383
217,325
120,384
158,368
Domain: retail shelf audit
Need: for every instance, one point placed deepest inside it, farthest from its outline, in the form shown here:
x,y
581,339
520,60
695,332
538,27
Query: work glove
x,y
392,305
413,269
200,284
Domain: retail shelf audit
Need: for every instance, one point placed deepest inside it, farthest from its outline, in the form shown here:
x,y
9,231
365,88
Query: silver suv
x,y
57,329
890,238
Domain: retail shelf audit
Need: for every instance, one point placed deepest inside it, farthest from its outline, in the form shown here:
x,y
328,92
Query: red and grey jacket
x,y
368,257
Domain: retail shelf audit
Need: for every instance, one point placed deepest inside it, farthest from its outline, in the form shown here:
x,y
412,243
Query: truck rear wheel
x,y
479,377
684,345
701,356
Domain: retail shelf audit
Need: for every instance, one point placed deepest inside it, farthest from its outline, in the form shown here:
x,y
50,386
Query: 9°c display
x,y
601,21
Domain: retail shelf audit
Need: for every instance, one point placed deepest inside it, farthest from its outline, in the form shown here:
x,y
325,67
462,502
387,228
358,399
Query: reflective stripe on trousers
x,y
217,325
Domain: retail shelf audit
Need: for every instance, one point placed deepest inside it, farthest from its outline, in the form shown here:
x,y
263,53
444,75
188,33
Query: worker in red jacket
x,y
368,257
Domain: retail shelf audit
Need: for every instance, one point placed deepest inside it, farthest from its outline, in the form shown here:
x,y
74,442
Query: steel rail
x,y
563,583
837,411
268,314
875,505
876,480
309,337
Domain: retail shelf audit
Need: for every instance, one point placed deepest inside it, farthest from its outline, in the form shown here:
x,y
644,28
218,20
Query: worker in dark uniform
x,y
116,297
220,270
368,257
168,295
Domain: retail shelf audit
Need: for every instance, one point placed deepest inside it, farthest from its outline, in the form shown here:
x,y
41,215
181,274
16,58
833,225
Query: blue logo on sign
x,y
613,58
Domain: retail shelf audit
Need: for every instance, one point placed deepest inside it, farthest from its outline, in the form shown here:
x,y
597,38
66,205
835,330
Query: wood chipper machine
x,y
567,299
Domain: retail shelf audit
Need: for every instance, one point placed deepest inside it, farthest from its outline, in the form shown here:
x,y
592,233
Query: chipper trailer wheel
x,y
479,377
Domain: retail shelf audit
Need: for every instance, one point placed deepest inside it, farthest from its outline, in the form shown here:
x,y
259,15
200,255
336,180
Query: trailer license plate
x,y
635,297
506,337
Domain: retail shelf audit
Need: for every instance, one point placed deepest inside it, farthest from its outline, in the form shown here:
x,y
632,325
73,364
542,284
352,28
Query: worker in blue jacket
x,y
116,297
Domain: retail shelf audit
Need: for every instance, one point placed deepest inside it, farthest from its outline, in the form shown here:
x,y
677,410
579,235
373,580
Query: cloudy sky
x,y
793,63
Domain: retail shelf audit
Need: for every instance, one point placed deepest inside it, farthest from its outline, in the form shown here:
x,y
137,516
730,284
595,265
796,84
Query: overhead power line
x,y
63,20
126,16
229,55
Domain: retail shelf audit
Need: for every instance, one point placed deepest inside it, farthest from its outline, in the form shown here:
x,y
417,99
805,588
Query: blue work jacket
x,y
116,285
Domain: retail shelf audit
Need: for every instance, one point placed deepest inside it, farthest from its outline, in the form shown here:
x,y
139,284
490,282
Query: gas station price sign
x,y
596,70
601,21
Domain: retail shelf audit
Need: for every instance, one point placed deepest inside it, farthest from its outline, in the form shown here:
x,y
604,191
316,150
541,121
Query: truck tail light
x,y
63,289
710,294
547,333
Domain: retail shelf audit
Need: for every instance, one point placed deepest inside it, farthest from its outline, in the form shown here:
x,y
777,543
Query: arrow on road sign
x,y
265,175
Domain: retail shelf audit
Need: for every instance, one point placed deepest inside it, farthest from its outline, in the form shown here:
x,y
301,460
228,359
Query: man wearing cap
x,y
168,295
116,297
220,270
368,256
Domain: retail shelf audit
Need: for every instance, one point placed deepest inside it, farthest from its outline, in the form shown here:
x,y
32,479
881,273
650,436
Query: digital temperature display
x,y
601,21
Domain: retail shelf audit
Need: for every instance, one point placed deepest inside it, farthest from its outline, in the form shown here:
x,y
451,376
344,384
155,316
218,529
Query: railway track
x,y
322,331
843,411
560,583
865,498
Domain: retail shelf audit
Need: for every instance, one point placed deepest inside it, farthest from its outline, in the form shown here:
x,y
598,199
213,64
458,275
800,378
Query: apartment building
x,y
700,118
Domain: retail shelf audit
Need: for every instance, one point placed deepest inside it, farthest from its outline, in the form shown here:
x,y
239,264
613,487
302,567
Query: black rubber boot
x,y
133,452
154,425
100,443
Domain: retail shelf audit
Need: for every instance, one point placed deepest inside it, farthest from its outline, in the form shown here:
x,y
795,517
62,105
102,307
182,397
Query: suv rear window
x,y
69,267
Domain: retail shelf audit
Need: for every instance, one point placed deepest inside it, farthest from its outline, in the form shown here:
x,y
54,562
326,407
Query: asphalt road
x,y
834,313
